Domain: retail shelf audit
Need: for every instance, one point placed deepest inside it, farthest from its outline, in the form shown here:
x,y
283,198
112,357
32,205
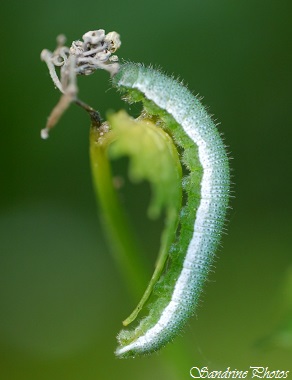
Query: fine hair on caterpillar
x,y
202,220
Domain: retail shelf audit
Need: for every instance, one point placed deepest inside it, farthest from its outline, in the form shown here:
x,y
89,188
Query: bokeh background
x,y
62,297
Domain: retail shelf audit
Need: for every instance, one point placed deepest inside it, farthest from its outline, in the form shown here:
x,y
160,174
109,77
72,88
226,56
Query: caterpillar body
x,y
206,186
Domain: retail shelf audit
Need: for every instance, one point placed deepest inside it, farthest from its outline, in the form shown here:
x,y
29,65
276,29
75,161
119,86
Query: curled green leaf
x,y
153,157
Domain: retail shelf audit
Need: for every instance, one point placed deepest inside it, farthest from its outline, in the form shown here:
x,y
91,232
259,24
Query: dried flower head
x,y
82,58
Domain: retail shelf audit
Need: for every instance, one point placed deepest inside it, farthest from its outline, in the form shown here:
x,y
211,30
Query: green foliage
x,y
153,157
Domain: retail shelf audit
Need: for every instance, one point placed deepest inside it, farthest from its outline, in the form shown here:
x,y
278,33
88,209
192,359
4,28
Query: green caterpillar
x,y
202,218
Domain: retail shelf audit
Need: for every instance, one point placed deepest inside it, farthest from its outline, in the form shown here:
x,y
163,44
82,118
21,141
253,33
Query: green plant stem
x,y
124,247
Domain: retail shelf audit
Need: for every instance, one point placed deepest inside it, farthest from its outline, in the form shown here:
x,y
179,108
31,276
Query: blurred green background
x,y
62,299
